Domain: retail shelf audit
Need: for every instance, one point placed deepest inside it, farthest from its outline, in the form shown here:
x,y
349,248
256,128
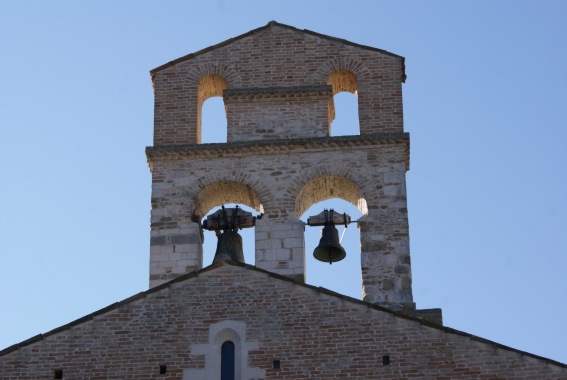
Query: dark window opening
x,y
276,364
386,360
162,369
58,374
227,361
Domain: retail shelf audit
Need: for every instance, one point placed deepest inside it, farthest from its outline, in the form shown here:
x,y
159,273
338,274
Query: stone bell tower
x,y
281,157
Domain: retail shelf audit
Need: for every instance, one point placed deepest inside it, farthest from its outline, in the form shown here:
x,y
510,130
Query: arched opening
x,y
227,193
344,114
344,276
247,234
211,114
342,195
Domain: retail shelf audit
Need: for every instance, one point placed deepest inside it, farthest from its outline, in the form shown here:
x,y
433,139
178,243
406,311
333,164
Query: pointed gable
x,y
285,61
262,31
310,332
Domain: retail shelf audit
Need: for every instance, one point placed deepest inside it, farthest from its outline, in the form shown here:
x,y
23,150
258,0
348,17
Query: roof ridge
x,y
256,30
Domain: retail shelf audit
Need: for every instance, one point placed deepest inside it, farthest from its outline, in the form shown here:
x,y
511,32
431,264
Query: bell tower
x,y
281,157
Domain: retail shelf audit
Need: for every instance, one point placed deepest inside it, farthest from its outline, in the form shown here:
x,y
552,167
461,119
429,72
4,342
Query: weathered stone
x,y
281,156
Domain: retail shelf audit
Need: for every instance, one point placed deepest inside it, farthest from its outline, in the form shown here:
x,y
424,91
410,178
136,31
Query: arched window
x,y
322,274
229,193
345,112
227,361
247,234
211,115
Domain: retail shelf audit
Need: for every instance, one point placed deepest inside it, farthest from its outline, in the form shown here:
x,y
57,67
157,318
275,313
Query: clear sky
x,y
484,102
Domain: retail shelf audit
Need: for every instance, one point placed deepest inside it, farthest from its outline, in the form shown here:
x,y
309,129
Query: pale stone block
x,y
394,177
294,233
283,254
276,244
184,248
178,270
166,264
295,264
174,256
392,190
401,249
293,243
169,231
261,236
298,253
280,226
270,255
159,212
263,244
258,256
184,181
156,186
186,263
377,237
278,234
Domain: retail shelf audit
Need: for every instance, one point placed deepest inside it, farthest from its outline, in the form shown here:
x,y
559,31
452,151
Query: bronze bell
x,y
229,247
329,249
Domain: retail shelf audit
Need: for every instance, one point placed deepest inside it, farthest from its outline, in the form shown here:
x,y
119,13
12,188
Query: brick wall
x,y
276,56
313,334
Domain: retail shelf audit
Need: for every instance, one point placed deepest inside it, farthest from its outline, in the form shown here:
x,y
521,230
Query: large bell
x,y
229,247
329,249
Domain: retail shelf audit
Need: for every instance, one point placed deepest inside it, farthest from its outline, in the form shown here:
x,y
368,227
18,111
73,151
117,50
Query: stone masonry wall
x,y
313,335
284,178
278,84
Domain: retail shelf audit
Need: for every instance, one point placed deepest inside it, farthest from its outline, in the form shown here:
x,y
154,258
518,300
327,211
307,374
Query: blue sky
x,y
484,103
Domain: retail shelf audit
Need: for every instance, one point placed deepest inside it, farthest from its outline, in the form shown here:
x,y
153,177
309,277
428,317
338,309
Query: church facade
x,y
233,320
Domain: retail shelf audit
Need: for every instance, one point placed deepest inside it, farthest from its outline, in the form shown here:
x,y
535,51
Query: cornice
x,y
276,146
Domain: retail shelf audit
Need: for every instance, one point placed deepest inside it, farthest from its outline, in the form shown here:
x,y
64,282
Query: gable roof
x,y
267,26
276,277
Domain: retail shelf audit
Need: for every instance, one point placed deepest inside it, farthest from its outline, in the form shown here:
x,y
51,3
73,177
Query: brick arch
x,y
209,86
343,74
222,192
210,80
231,76
343,80
325,70
326,187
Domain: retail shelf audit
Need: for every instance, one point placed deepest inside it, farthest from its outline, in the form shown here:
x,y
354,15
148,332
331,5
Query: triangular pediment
x,y
269,305
264,32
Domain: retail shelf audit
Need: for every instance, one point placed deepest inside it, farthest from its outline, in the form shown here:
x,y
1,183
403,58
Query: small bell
x,y
329,249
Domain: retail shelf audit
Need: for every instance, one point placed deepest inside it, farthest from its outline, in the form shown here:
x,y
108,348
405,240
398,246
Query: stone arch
x,y
220,332
327,187
222,192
